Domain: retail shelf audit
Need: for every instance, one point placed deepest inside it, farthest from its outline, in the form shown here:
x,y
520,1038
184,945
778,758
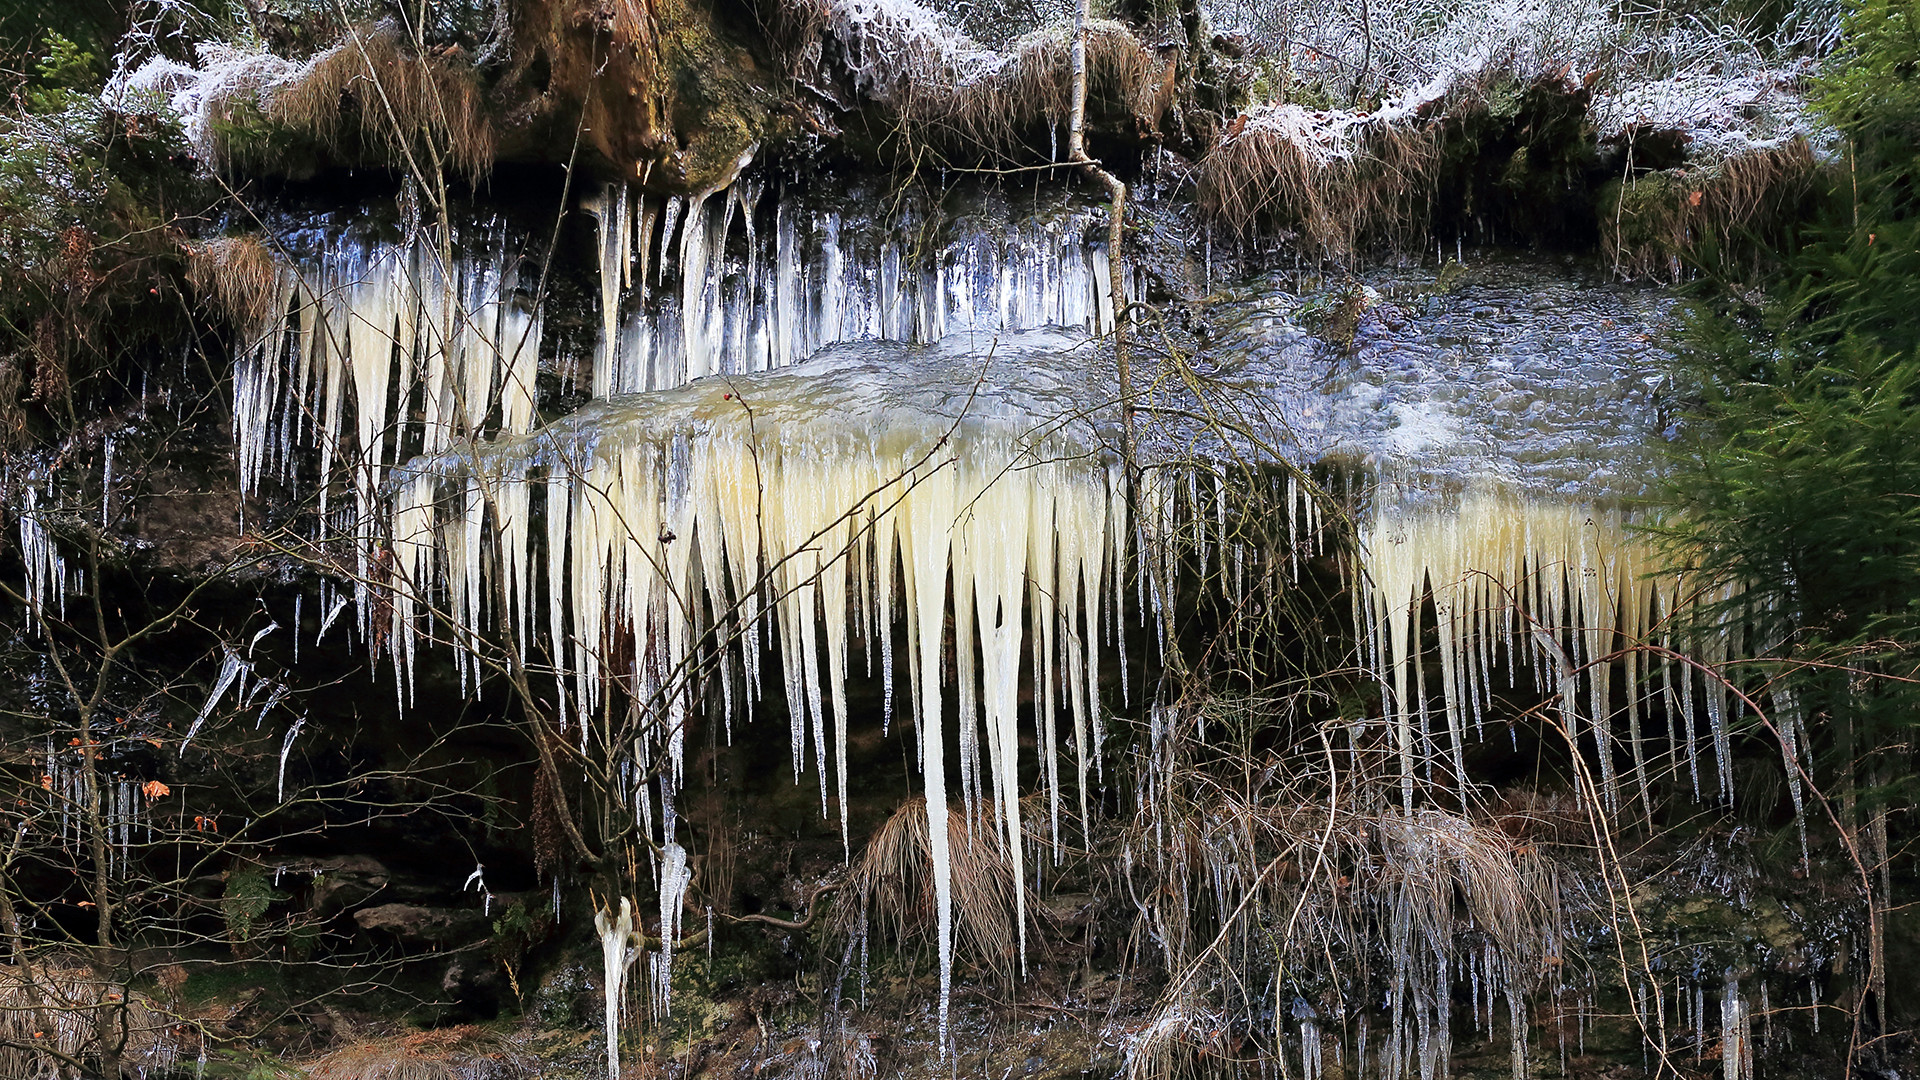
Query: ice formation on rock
x,y
616,955
1562,587
835,497
713,284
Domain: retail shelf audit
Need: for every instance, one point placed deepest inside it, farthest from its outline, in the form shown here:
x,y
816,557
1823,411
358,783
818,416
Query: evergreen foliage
x,y
1801,478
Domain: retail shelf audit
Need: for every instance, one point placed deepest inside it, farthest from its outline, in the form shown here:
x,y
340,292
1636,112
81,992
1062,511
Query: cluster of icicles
x,y
123,807
1566,589
691,287
768,519
616,547
362,337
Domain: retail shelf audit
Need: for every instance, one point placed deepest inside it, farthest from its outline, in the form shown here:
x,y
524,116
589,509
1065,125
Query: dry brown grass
x,y
455,1053
374,92
891,887
1653,225
1335,188
57,1007
240,276
1289,878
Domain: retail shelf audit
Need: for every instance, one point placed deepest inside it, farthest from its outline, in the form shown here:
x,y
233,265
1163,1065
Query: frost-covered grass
x,y
369,92
1355,53
948,91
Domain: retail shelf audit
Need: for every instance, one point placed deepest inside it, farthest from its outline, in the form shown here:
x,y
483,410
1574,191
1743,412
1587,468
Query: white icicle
x,y
231,668
616,954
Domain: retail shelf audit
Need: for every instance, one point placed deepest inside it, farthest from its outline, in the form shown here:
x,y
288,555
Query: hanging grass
x,y
891,887
1336,179
1655,225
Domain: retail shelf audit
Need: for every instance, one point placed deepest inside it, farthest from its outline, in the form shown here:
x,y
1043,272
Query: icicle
x,y
231,668
1736,1032
286,746
616,945
675,877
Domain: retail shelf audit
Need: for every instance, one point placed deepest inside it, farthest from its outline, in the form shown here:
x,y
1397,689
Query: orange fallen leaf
x,y
1693,199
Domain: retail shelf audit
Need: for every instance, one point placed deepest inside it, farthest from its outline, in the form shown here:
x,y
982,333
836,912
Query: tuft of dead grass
x,y
464,1052
400,100
240,276
891,887
1654,224
1286,879
1337,179
56,1007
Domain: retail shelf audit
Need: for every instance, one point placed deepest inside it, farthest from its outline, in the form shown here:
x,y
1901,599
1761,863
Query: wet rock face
x,y
342,881
414,923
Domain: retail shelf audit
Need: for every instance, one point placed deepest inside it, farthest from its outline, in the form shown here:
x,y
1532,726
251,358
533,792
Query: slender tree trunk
x,y
108,1015
1116,226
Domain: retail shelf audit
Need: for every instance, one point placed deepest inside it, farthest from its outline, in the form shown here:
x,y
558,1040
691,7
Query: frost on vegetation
x,y
1409,44
1343,171
1752,148
1720,117
945,87
234,89
691,287
205,97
